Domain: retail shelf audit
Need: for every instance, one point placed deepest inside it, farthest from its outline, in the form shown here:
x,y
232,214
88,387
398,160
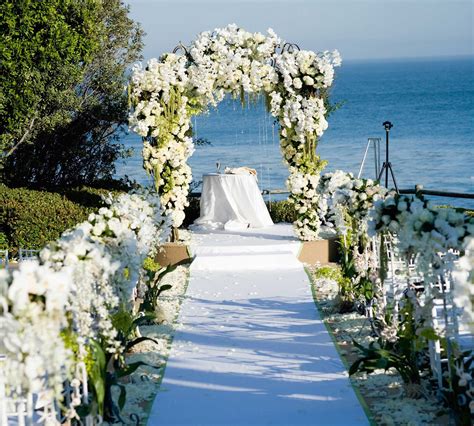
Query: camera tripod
x,y
387,166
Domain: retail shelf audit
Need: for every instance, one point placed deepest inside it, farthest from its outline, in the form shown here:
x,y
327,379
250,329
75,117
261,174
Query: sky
x,y
359,29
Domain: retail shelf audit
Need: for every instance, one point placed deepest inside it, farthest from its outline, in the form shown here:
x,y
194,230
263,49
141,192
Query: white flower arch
x,y
169,91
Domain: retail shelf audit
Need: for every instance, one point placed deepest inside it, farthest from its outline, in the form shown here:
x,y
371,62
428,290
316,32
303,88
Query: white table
x,y
232,202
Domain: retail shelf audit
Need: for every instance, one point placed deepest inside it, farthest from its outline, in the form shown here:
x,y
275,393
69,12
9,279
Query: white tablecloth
x,y
232,202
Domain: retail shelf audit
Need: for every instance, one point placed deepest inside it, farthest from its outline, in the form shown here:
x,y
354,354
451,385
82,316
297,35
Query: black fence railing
x,y
419,189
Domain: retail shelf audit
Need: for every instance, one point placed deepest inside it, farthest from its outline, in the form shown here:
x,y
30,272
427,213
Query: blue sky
x,y
360,29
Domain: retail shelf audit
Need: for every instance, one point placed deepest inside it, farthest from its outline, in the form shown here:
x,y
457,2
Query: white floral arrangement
x,y
343,196
74,288
439,239
167,92
421,229
32,308
463,277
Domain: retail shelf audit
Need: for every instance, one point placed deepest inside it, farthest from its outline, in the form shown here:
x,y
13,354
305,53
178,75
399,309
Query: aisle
x,y
252,349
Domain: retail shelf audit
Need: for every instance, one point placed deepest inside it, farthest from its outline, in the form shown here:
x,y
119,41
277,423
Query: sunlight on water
x,y
430,103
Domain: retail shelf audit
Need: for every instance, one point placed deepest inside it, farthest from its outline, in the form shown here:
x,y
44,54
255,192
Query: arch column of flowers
x,y
169,91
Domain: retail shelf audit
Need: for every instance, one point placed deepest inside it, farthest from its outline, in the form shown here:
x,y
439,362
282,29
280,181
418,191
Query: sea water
x,y
429,101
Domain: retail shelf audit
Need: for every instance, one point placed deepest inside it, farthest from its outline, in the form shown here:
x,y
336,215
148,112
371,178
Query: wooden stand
x,y
319,252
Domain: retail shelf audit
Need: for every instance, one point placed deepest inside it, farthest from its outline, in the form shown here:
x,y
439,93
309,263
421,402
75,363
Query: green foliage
x,y
191,212
403,353
381,356
330,272
127,326
97,374
150,265
357,285
31,219
155,288
3,241
45,47
107,370
81,98
282,211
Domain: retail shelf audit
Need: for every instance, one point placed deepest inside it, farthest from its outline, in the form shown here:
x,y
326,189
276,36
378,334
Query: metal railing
x,y
419,189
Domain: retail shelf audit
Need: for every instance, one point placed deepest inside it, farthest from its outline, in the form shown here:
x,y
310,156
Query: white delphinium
x,y
92,296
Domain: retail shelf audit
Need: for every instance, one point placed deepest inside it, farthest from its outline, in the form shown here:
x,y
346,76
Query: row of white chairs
x,y
23,255
445,315
34,409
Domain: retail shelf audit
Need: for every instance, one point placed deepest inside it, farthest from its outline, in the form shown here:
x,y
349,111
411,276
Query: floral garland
x,y
421,229
51,310
230,60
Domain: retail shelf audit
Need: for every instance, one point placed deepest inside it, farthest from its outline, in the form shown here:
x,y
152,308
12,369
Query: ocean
x,y
430,103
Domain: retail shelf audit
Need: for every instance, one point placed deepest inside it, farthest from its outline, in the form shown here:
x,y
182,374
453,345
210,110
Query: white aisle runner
x,y
253,349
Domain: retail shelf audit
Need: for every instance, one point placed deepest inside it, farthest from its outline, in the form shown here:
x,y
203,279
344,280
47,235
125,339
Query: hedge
x,y
280,211
32,218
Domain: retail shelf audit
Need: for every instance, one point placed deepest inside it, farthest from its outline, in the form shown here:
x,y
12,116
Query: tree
x,y
44,46
82,146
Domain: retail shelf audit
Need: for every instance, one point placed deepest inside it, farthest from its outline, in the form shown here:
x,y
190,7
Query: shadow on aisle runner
x,y
252,349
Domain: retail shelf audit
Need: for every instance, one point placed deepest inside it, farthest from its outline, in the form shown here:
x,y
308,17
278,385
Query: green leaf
x,y
163,288
123,322
137,341
142,319
97,374
130,368
122,397
429,333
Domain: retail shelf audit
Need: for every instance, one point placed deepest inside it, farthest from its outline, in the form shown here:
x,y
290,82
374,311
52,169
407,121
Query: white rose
x,y
98,228
297,83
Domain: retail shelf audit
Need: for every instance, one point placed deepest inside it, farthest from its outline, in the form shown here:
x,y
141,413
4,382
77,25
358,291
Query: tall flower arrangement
x,y
344,206
168,92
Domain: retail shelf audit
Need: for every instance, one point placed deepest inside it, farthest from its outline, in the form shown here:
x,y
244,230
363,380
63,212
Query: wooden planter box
x,y
319,252
171,253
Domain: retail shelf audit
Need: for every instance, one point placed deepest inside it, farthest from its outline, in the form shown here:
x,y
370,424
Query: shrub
x,y
282,211
31,219
3,241
191,212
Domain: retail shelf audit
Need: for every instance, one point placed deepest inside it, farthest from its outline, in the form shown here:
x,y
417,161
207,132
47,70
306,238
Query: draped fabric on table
x,y
232,202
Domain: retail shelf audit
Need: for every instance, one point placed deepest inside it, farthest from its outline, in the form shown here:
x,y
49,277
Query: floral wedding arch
x,y
169,91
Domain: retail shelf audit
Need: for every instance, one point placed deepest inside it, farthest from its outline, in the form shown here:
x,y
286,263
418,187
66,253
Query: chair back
x,y
27,254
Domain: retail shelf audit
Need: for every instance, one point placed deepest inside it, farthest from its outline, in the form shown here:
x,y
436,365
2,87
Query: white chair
x,y
4,259
27,254
14,411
